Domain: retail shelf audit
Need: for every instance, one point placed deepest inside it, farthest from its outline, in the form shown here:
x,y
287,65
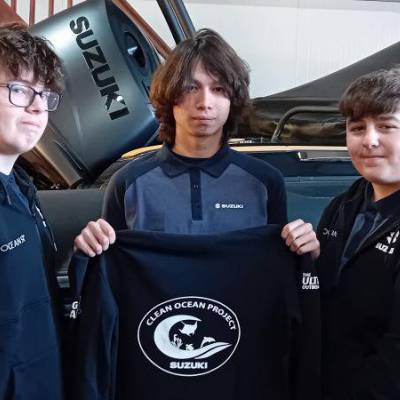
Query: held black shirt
x,y
230,317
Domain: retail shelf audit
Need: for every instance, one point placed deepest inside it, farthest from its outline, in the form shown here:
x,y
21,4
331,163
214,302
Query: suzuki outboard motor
x,y
105,109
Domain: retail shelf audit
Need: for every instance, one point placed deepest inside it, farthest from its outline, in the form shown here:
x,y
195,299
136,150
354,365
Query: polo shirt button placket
x,y
195,194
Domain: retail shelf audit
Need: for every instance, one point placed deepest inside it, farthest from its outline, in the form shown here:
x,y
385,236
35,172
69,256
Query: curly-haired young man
x,y
30,86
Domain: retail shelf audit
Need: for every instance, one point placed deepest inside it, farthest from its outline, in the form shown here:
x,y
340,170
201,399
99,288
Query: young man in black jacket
x,y
31,81
30,85
359,263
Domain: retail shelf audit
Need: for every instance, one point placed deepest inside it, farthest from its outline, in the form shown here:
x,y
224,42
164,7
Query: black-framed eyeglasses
x,y
23,96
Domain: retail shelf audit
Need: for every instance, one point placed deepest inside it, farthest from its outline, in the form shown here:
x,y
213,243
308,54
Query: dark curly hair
x,y
372,94
20,51
219,60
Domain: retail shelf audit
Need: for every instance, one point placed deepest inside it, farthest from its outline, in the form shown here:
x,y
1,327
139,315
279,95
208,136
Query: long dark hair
x,y
219,60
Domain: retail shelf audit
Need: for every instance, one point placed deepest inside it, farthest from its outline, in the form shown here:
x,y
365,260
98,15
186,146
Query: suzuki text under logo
x,y
189,336
228,206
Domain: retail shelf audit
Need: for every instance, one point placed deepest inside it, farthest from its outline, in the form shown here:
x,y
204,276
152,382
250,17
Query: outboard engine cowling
x,y
105,109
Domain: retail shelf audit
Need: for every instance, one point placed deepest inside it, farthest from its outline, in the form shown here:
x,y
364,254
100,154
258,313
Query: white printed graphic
x,y
310,282
330,233
388,247
173,348
189,336
12,244
229,206
392,238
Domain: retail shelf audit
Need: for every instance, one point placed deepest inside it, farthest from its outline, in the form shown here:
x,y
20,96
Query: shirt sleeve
x,y
94,325
113,204
306,357
277,203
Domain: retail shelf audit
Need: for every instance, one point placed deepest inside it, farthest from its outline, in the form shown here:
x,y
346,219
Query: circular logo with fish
x,y
189,336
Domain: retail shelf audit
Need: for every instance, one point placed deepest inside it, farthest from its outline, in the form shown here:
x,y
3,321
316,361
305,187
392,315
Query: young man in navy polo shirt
x,y
196,183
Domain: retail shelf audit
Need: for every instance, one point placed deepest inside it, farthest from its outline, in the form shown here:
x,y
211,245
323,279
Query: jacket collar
x,y
351,205
22,179
173,166
358,198
387,206
24,182
360,195
356,192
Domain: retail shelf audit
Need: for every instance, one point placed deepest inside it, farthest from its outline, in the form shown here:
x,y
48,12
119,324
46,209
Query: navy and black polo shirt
x,y
169,193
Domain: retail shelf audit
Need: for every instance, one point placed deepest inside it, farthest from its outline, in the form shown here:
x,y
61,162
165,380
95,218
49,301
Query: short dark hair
x,y
372,94
20,51
219,60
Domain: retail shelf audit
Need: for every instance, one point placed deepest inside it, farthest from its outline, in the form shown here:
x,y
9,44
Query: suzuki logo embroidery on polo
x,y
189,336
12,244
228,205
387,247
310,282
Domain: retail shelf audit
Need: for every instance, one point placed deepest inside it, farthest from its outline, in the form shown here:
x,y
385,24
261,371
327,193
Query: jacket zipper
x,y
45,225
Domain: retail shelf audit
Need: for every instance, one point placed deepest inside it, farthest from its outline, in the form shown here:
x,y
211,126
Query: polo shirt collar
x,y
173,166
386,206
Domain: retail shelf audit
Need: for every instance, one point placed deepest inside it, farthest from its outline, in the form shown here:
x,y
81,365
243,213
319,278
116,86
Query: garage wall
x,y
290,42
285,42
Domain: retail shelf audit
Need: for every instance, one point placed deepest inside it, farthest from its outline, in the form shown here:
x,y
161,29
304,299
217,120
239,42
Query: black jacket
x,y
360,305
29,347
231,316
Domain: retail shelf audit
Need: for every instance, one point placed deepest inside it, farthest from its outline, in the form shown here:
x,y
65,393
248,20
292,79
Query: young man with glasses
x,y
30,86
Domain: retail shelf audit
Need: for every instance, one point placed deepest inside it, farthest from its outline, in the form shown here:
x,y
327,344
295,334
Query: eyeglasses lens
x,y
23,96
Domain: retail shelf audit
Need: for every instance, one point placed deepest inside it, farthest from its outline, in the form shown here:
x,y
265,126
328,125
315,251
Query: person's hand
x,y
300,237
95,238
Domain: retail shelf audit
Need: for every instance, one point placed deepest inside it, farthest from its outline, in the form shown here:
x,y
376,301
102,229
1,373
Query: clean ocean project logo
x,y
189,336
